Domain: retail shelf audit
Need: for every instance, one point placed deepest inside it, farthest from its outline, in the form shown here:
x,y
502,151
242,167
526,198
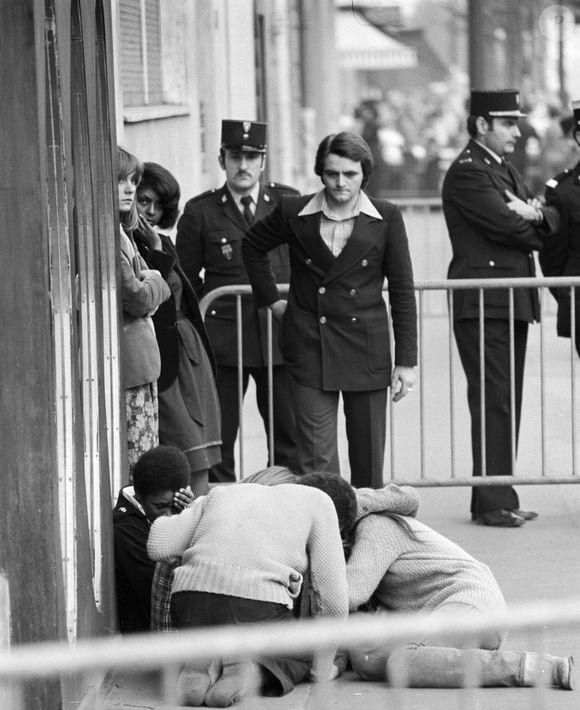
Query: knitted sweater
x,y
257,542
405,574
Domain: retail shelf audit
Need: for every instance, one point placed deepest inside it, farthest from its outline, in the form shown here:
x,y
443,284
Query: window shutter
x,y
131,52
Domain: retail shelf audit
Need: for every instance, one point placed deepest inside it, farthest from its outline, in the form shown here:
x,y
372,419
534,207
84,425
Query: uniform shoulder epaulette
x,y
553,183
282,188
202,195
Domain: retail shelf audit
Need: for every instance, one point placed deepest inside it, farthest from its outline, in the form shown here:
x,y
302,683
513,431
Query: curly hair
x,y
160,469
342,494
163,183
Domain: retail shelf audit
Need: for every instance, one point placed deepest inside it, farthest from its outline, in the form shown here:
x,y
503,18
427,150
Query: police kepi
x,y
247,136
501,104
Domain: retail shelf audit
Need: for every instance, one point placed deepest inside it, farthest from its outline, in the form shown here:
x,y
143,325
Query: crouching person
x,y
245,551
160,487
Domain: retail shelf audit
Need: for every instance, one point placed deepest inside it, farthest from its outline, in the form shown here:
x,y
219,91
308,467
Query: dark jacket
x,y
209,237
166,316
335,332
488,239
133,568
561,253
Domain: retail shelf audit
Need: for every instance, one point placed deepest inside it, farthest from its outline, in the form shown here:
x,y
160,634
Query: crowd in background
x,y
414,136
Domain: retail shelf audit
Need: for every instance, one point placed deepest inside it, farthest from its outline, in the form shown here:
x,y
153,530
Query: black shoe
x,y
501,518
526,514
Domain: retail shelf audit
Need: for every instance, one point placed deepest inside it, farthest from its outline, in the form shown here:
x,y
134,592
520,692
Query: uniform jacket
x,y
561,253
488,239
166,316
140,297
209,237
335,332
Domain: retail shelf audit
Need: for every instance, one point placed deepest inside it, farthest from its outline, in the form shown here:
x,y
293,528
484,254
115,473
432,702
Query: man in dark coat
x,y
209,238
335,330
494,224
561,253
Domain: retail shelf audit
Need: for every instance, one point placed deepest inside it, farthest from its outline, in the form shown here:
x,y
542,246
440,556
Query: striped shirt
x,y
335,231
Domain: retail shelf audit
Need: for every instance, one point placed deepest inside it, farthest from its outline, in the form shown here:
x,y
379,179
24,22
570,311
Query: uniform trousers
x,y
316,432
284,422
498,423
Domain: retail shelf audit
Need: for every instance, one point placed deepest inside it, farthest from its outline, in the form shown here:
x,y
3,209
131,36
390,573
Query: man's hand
x,y
278,308
530,210
402,381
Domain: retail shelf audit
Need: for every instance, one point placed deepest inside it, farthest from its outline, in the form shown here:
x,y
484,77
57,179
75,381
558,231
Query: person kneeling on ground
x,y
245,550
160,487
397,563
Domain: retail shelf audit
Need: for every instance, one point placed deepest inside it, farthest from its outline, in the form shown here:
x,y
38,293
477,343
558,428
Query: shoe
x,y
195,680
236,681
526,514
501,518
563,673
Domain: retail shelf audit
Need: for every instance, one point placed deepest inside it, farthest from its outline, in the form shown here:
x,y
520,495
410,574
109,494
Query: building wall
x,y
271,60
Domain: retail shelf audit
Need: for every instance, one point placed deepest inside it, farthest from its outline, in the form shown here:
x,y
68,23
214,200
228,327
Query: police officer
x,y
561,253
494,224
209,239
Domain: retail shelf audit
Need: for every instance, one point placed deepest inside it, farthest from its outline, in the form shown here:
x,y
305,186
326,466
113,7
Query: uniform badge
x,y
227,251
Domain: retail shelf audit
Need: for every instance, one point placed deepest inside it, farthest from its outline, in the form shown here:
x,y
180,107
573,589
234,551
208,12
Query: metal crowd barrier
x,y
429,431
93,658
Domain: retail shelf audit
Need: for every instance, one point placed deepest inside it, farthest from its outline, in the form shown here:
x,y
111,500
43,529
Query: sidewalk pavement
x,y
537,562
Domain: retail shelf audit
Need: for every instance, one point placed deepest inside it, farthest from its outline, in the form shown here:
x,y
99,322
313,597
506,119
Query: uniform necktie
x,y
248,214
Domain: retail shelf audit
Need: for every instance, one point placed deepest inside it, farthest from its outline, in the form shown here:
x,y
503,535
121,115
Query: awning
x,y
362,46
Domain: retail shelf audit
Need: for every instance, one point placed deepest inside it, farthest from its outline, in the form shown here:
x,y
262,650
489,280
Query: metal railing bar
x,y
45,660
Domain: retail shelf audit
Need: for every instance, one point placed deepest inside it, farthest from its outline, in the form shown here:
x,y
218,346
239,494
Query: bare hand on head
x,y
183,498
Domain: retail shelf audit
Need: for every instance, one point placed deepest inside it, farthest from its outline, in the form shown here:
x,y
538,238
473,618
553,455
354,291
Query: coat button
x,y
212,313
492,263
364,262
353,292
309,261
353,319
322,290
223,240
323,320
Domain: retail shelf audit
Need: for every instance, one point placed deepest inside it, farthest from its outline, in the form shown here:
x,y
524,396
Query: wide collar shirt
x,y
334,230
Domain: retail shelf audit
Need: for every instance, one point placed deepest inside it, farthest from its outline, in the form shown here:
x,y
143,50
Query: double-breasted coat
x,y
561,253
209,244
335,331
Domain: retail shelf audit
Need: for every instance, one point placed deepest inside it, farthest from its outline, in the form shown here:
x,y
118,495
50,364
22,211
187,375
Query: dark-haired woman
x,y
189,415
143,290
399,564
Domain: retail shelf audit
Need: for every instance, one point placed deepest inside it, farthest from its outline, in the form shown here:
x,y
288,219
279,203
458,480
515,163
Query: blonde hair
x,y
129,165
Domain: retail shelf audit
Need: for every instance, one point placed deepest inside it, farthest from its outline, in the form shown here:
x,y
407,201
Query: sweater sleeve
x,y
170,536
327,565
371,557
